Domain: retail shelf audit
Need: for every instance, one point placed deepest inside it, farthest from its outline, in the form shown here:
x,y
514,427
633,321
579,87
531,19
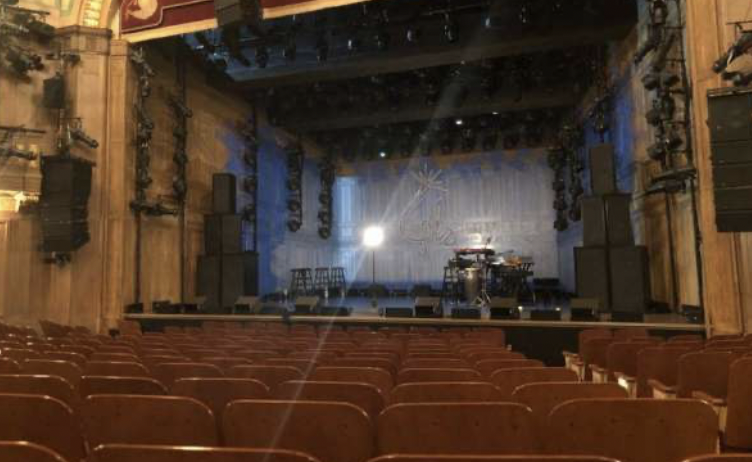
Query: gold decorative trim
x,y
162,32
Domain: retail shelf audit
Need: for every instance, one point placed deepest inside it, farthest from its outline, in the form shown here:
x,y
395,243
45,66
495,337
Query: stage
x,y
539,339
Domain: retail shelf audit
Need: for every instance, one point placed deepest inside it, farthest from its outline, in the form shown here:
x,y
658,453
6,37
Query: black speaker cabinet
x,y
593,221
209,280
730,125
223,234
66,181
602,170
224,193
630,279
545,315
619,219
398,312
339,311
591,274
239,276
466,313
54,93
233,11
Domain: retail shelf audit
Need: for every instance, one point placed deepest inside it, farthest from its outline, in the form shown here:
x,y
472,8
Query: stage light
x,y
322,49
382,154
458,122
290,51
495,113
382,39
354,44
373,237
413,34
451,30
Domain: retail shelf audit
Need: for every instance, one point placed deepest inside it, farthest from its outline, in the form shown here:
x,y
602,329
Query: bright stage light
x,y
373,236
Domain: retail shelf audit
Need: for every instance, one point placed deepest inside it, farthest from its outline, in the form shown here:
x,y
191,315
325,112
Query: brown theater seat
x,y
445,392
456,428
363,395
379,378
117,357
116,369
116,385
704,371
438,375
41,420
50,385
471,458
389,365
435,364
9,366
271,376
137,453
722,458
738,425
332,432
168,373
65,369
542,398
634,430
509,379
135,419
658,370
216,393
76,358
487,367
22,451
478,356
305,366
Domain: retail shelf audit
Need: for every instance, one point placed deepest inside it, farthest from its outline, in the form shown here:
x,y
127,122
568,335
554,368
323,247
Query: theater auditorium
x,y
375,230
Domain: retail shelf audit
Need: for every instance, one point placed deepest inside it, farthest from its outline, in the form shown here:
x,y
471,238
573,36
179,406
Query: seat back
x,y
379,378
343,432
628,333
363,395
136,419
542,398
23,451
487,367
271,376
116,369
9,366
76,358
42,420
217,393
478,356
722,458
507,380
388,365
445,392
594,353
438,375
48,385
141,453
658,363
705,371
634,430
472,458
456,428
65,369
739,400
435,363
114,385
621,357
168,373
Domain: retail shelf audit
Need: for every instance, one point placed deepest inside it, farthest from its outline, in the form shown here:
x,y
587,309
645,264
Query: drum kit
x,y
475,271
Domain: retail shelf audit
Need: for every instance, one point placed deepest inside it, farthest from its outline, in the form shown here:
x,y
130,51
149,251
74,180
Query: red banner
x,y
150,19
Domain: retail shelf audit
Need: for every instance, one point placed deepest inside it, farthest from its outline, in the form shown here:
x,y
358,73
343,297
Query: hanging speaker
x,y
54,93
602,170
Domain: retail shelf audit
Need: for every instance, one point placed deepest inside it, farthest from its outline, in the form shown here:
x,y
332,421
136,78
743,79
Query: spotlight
x,y
354,44
382,39
262,57
451,30
322,49
290,51
373,237
382,154
413,34
458,122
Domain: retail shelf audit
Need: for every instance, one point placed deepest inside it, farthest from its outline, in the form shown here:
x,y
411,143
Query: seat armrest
x,y
600,374
661,390
627,382
710,399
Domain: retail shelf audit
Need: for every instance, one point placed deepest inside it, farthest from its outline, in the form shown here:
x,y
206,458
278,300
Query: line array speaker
x,y
630,279
223,234
66,185
224,193
602,170
592,276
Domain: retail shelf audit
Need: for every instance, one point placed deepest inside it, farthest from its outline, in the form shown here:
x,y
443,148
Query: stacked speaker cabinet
x,y
730,125
225,272
66,185
609,267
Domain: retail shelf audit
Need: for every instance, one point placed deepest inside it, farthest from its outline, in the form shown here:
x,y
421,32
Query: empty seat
x,y
658,369
722,458
67,370
704,371
592,353
22,451
477,356
167,373
438,375
487,367
332,432
271,376
389,365
20,354
443,392
216,393
135,419
542,398
456,428
111,385
738,425
379,378
41,420
142,453
363,395
435,364
9,366
116,369
49,385
472,458
507,380
634,430
76,358
118,357
305,366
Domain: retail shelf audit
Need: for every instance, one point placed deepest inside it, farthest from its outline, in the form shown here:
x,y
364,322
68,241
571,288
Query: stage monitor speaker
x,y
246,304
54,93
504,308
398,312
627,316
163,307
602,170
428,307
306,304
630,279
338,311
545,315
209,281
272,309
224,193
619,219
134,308
593,221
584,309
223,234
591,275
731,156
466,313
239,276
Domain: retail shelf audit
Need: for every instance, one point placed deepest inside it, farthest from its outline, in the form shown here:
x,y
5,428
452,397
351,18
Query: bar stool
x,y
337,281
302,282
321,280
